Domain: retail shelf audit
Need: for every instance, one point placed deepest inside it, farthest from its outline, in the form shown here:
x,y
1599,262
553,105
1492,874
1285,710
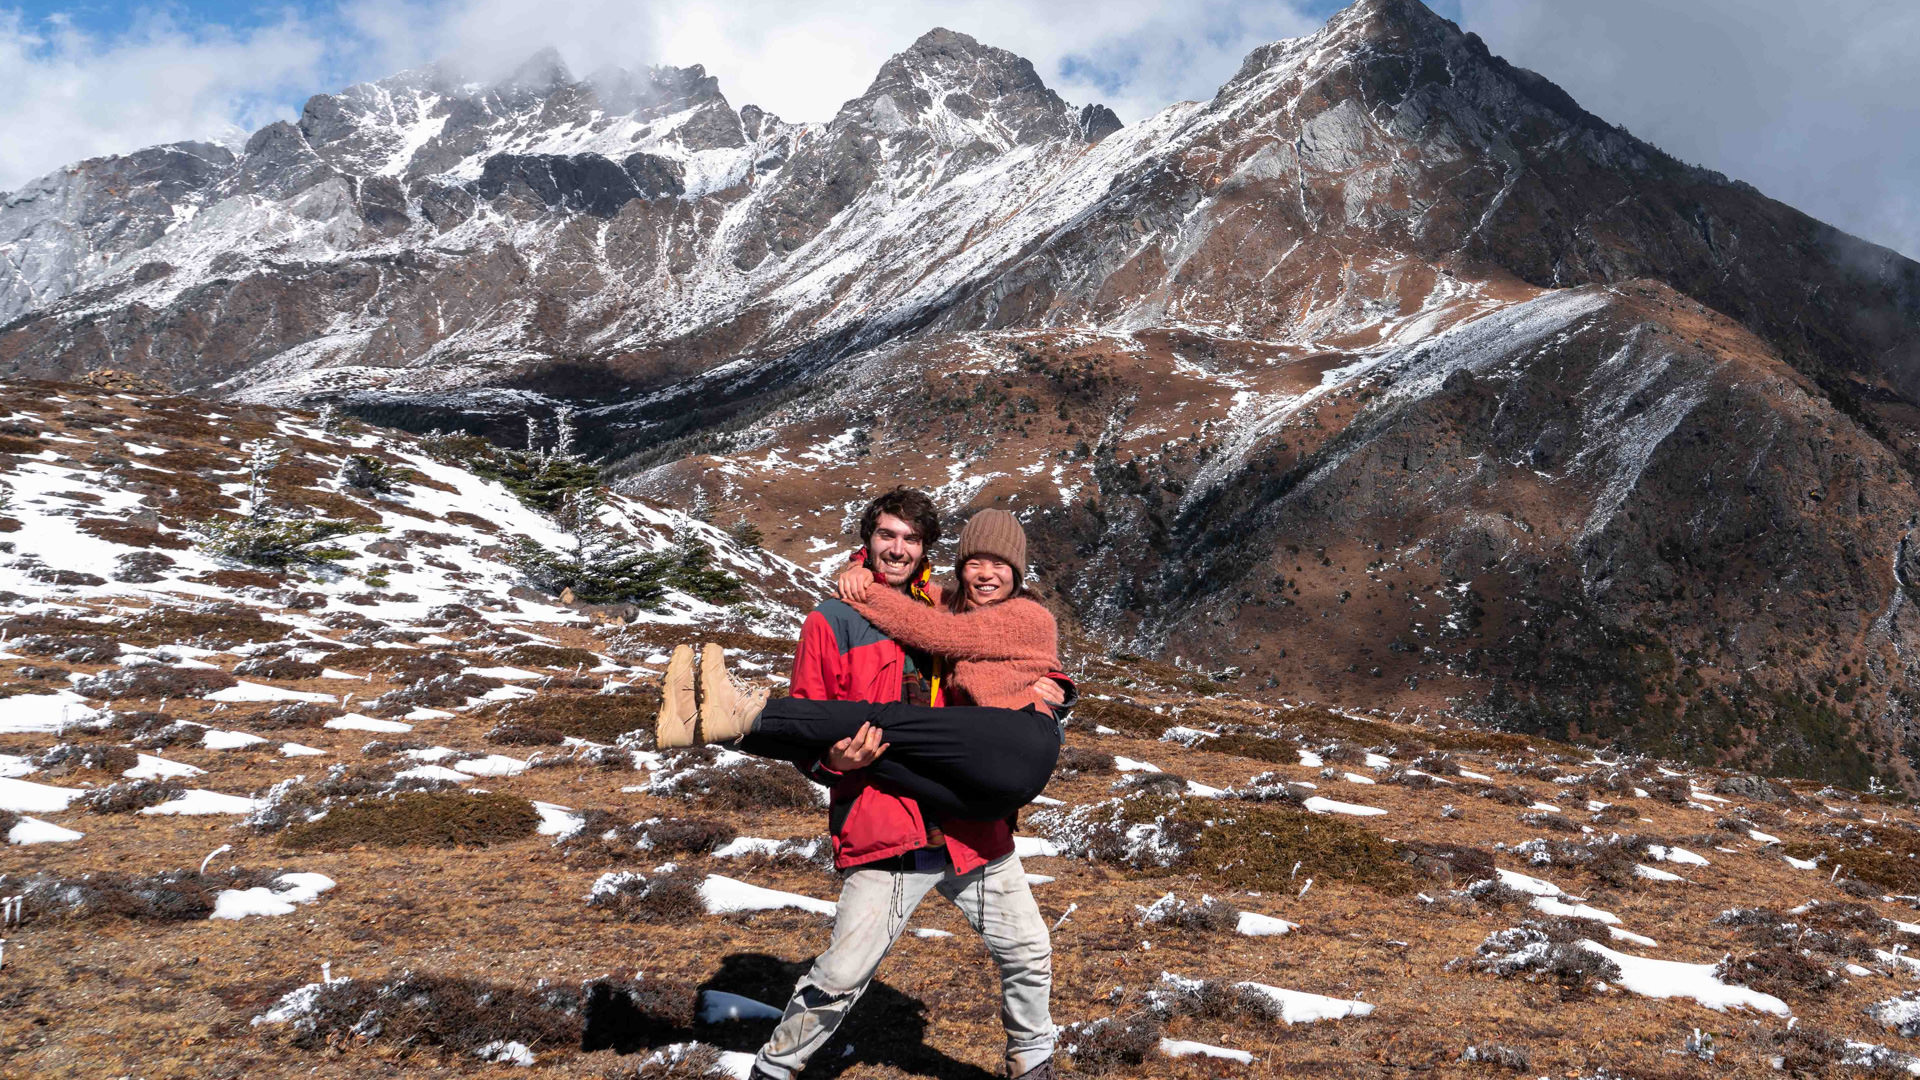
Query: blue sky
x,y
1816,104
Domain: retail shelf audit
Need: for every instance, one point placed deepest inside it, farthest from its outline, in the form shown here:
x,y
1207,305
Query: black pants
x,y
970,763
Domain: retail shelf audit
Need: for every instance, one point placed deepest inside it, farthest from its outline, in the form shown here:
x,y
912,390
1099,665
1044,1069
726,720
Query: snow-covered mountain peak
x,y
961,92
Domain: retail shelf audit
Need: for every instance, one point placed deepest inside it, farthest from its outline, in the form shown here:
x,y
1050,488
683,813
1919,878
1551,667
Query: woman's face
x,y
988,580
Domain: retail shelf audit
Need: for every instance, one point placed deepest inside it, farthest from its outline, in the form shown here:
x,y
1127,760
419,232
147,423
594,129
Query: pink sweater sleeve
x,y
1017,629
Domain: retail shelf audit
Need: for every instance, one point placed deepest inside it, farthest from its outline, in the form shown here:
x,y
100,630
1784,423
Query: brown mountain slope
x,y
1601,513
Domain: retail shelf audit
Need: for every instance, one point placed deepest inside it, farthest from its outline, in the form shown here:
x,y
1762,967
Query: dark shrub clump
x,y
154,681
513,733
673,897
426,819
124,798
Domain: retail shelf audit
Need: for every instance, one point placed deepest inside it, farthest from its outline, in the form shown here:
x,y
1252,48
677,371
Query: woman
x,y
979,762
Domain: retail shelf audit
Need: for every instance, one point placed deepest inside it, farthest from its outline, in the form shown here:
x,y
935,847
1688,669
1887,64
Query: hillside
x,y
1388,376
264,826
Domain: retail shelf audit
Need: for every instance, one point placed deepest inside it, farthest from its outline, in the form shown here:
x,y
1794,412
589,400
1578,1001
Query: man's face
x,y
894,550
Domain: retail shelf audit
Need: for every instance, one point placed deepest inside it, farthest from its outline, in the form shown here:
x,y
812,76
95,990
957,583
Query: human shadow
x,y
886,1027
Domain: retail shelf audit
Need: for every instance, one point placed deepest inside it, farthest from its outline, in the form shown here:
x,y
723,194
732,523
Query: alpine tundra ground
x,y
403,817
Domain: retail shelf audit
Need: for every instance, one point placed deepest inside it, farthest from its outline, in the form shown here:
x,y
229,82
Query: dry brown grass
x,y
594,717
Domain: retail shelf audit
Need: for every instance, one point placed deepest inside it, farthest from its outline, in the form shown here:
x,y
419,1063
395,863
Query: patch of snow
x,y
503,1052
557,820
433,772
215,739
1322,805
1680,855
491,765
44,712
1034,847
253,691
1551,906
1533,886
27,797
1179,1048
31,830
724,894
289,891
1254,924
1671,979
357,722
1299,1007
157,768
196,801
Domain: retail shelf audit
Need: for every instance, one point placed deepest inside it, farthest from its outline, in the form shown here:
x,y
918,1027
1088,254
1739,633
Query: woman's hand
x,y
1050,692
853,583
856,751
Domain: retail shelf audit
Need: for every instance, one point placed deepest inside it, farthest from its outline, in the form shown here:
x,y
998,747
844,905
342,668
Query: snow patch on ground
x,y
288,892
1671,979
724,894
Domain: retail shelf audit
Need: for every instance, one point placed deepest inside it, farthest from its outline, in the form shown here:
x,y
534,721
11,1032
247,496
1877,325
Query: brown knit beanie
x,y
996,533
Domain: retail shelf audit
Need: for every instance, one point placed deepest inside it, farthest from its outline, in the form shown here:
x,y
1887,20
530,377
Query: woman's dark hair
x,y
910,506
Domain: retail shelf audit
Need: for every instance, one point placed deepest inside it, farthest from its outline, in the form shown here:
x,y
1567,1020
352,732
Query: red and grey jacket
x,y
843,657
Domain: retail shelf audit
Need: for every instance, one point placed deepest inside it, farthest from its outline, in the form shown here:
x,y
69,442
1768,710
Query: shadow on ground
x,y
887,1027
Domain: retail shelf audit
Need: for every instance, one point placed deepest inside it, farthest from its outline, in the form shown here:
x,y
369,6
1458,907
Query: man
x,y
891,855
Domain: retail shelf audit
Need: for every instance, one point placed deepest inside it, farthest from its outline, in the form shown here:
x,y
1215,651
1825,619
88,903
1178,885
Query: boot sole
x,y
674,726
713,688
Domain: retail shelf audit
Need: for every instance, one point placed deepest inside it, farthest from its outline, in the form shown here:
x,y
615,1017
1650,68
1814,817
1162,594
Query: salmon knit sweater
x,y
998,651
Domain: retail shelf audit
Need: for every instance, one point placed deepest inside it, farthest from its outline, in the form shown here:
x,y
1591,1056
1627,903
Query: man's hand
x,y
857,751
854,582
1049,691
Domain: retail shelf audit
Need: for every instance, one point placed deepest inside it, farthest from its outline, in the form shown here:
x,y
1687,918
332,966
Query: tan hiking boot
x,y
673,726
725,715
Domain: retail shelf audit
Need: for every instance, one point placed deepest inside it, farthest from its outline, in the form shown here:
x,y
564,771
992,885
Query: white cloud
x,y
803,60
69,96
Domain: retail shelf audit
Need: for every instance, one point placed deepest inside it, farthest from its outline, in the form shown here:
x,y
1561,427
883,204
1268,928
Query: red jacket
x,y
842,657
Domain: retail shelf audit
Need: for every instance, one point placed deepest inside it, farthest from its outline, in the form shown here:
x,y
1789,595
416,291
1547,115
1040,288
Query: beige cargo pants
x,y
874,908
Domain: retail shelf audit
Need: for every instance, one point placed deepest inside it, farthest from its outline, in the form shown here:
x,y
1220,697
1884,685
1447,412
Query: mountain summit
x,y
1389,370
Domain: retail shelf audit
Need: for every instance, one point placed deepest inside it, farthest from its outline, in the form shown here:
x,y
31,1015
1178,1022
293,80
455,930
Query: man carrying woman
x,y
930,715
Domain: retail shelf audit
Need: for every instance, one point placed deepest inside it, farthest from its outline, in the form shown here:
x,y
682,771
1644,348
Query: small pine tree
x,y
368,473
269,536
263,456
266,540
601,563
693,572
564,433
329,416
540,479
746,534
